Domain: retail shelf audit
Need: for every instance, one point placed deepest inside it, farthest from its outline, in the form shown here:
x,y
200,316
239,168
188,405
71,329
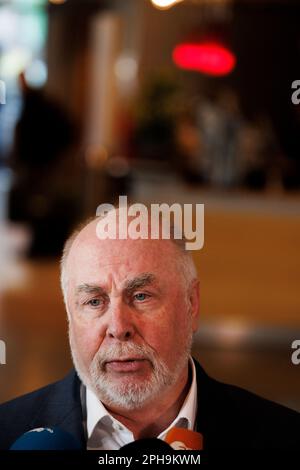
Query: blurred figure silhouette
x,y
189,148
259,154
40,196
219,122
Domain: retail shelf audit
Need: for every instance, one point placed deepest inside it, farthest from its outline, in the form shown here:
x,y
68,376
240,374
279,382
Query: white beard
x,y
128,394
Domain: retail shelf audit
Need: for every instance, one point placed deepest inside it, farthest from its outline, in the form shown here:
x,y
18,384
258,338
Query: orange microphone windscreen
x,y
184,439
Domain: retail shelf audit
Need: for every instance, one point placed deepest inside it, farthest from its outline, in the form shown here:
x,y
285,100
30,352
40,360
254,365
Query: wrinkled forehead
x,y
91,259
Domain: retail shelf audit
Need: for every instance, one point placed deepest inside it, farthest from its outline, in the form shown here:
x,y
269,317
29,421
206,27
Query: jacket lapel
x,y
63,408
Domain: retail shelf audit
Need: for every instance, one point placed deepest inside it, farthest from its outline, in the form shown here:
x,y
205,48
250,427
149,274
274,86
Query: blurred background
x,y
165,101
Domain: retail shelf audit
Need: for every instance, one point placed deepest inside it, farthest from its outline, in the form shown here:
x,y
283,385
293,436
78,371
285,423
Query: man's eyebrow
x,y
142,280
89,289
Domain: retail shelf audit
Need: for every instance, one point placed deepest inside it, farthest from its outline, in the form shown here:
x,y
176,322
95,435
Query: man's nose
x,y
120,325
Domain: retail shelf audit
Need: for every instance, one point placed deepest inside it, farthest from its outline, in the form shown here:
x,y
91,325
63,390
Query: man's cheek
x,y
161,343
90,343
84,342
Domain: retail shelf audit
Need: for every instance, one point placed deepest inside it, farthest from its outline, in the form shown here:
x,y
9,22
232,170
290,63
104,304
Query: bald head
x,y
85,238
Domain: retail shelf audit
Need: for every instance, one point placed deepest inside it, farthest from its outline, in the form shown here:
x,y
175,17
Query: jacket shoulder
x,y
29,401
44,407
244,419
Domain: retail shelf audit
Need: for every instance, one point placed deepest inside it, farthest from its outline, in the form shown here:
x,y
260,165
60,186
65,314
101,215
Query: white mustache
x,y
124,351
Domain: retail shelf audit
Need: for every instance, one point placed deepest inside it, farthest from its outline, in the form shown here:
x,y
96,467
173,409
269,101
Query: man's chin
x,y
131,380
127,393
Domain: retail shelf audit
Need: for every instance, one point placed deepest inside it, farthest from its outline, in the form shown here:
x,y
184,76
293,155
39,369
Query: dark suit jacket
x,y
228,417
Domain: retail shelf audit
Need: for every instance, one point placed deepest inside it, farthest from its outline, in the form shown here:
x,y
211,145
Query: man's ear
x,y
194,302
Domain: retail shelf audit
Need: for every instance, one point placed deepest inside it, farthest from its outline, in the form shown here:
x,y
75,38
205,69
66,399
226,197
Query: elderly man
x,y
133,307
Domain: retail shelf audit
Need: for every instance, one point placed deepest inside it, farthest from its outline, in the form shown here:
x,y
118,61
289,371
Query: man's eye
x,y
94,302
141,296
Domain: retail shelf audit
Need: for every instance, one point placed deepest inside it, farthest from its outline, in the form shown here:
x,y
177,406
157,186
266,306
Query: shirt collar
x,y
187,415
96,411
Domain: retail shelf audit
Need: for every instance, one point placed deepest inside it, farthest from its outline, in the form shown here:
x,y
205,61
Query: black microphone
x,y
46,439
150,445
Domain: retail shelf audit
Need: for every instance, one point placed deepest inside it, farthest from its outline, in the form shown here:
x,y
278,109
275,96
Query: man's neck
x,y
154,418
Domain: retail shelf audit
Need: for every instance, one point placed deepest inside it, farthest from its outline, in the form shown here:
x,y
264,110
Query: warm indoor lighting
x,y
126,68
210,58
57,2
165,4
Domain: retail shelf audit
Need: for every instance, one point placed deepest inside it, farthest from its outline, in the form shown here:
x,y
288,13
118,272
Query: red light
x,y
208,57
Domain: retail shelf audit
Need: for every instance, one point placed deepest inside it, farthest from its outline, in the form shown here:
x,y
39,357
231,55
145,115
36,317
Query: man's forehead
x,y
120,275
120,251
87,244
120,256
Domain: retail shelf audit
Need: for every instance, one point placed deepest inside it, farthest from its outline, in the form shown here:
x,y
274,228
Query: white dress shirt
x,y
104,432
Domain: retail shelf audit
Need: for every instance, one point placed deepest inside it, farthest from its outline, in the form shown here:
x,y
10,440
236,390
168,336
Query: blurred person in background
x,y
219,121
189,148
40,195
258,151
